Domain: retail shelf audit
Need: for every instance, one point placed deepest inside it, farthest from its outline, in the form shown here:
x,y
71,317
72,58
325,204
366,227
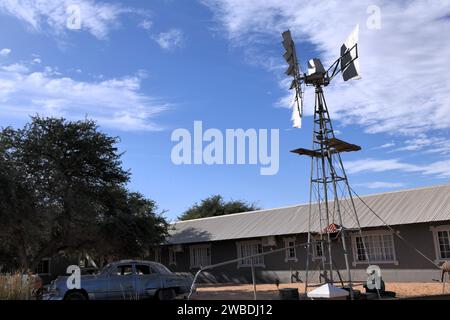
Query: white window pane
x,y
378,248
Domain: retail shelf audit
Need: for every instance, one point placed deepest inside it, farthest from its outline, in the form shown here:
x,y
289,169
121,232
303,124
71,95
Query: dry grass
x,y
270,291
15,287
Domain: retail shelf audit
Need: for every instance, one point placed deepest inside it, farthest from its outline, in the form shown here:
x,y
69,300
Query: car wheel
x,y
165,294
75,296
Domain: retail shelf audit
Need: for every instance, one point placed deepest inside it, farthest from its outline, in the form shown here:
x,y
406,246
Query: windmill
x,y
332,205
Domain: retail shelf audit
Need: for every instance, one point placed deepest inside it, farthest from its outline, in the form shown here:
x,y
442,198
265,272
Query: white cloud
x,y
171,39
37,60
379,165
116,103
381,185
5,52
15,68
440,169
403,90
386,145
52,15
146,24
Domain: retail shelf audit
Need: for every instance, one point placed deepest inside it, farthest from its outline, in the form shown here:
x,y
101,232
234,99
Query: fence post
x,y
253,279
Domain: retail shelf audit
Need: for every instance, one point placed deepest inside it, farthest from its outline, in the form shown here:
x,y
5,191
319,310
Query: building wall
x,y
409,266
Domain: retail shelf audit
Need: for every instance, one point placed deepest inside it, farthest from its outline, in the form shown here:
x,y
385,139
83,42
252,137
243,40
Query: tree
x,y
216,206
63,187
129,225
20,220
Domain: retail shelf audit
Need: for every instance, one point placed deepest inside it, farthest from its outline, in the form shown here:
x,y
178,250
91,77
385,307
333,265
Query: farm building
x,y
420,216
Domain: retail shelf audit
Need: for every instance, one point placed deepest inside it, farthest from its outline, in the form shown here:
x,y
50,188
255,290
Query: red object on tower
x,y
332,228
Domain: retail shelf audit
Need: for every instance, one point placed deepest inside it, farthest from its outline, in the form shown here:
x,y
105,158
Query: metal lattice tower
x,y
332,210
330,196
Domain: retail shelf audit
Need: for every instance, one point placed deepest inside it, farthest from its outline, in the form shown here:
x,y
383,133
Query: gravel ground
x,y
270,292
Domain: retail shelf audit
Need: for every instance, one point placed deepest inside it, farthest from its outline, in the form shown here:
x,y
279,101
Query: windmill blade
x,y
349,56
290,55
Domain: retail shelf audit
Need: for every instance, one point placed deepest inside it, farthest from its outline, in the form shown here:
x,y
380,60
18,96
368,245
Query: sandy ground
x,y
270,291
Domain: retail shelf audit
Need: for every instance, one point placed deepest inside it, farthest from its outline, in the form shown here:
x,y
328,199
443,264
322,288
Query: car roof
x,y
133,261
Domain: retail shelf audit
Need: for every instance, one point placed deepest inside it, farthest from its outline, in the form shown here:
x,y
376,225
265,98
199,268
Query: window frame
x,y
240,263
49,267
315,243
191,255
435,230
287,251
372,233
113,271
150,269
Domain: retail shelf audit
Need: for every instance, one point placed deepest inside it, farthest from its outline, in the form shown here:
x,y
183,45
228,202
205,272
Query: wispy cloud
x,y
171,39
15,68
430,145
53,16
403,90
379,165
5,52
381,185
116,103
439,169
146,24
386,145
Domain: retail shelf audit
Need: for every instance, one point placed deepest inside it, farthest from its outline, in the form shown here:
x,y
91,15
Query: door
x,y
122,283
148,281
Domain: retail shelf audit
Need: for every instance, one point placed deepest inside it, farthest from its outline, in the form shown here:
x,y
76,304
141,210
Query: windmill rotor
x,y
294,70
347,64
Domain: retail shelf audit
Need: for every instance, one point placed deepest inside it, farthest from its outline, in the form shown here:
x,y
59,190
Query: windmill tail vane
x,y
297,110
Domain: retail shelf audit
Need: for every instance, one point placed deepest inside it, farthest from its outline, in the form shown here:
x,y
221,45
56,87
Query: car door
x,y
148,281
122,282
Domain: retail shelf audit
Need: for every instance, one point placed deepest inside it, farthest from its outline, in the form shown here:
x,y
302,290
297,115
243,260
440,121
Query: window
x,y
444,244
157,254
291,250
43,267
317,247
142,269
172,256
379,247
123,270
441,235
250,248
200,256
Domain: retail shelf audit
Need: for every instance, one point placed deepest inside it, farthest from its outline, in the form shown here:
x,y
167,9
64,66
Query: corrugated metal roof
x,y
430,204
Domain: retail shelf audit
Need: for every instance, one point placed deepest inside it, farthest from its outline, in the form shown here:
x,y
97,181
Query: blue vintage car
x,y
124,280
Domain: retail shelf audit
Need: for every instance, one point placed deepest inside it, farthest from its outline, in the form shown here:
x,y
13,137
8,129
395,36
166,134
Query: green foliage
x,y
216,206
129,224
62,188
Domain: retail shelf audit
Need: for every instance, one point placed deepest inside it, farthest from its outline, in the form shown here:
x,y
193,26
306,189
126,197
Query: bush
x,y
16,286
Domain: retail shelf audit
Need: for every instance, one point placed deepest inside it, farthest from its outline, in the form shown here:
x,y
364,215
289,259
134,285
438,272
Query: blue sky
x,y
145,68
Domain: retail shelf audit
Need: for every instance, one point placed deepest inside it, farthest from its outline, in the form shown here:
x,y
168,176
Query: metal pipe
x,y
253,280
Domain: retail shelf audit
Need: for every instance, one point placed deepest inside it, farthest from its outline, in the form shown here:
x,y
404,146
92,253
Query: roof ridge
x,y
240,213
306,204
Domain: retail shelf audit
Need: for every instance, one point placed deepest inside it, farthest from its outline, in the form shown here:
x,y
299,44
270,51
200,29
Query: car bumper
x,y
51,297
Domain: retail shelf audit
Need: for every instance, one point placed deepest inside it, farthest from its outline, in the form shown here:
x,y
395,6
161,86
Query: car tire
x,y
76,295
165,294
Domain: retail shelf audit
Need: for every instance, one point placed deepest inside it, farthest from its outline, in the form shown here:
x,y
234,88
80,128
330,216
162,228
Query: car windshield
x,y
161,268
